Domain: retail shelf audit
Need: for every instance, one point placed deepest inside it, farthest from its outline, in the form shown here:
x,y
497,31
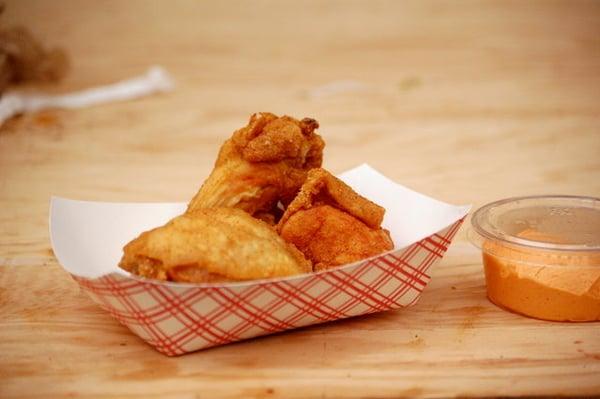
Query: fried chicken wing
x,y
213,245
333,225
262,164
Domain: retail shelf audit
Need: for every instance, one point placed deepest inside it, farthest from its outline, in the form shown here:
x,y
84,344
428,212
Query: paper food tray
x,y
176,318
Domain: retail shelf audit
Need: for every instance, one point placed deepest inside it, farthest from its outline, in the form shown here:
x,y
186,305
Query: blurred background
x,y
467,101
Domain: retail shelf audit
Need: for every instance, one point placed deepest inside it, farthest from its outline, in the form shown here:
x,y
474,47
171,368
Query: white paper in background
x,y
88,237
338,87
154,80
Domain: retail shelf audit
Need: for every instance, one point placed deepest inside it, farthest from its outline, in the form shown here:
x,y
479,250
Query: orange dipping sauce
x,y
541,256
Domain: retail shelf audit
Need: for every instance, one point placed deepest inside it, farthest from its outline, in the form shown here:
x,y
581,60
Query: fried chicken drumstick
x,y
213,245
333,225
261,164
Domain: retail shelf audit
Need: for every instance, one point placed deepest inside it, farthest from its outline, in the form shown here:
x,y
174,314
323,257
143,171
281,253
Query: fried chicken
x,y
333,225
213,245
262,164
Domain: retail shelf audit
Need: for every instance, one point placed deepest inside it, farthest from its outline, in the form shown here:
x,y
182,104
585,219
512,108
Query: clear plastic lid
x,y
544,223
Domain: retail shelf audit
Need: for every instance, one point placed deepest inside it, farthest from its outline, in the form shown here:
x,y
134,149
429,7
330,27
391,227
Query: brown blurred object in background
x,y
23,59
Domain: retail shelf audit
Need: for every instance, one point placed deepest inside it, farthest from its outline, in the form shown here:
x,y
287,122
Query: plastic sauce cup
x,y
541,255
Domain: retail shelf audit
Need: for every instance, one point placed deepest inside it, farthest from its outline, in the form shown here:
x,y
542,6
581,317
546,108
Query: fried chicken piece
x,y
213,245
262,164
333,225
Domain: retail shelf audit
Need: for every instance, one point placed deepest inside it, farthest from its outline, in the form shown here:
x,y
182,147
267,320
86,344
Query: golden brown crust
x,y
322,187
261,164
213,245
230,229
333,225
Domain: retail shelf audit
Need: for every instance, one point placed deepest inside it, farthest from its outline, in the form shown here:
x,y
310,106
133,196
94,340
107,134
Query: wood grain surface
x,y
467,102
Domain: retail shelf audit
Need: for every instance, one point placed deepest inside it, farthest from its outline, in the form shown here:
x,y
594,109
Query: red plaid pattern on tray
x,y
176,319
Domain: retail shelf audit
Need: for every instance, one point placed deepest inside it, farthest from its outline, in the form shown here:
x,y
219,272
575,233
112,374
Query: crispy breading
x,y
333,225
262,164
213,245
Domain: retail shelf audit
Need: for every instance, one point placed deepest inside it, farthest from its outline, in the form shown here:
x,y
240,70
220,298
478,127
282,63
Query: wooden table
x,y
467,102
